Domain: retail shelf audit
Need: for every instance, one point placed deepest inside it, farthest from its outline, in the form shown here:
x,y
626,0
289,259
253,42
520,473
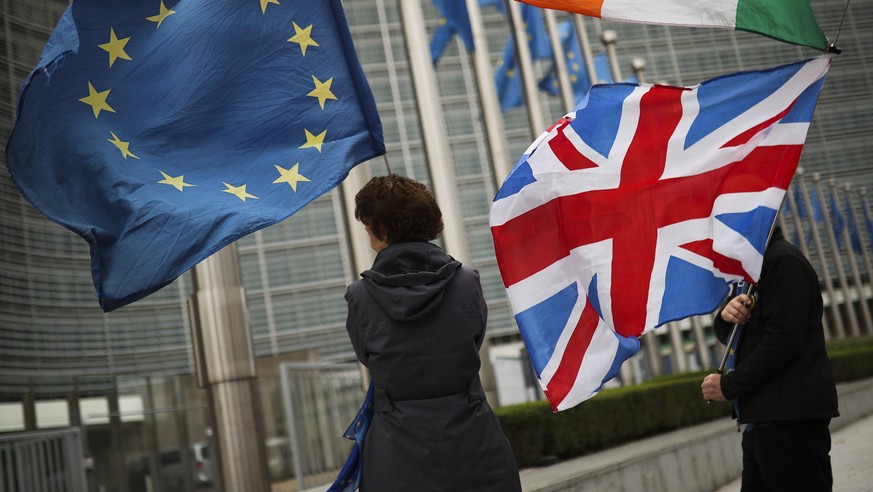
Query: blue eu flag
x,y
161,131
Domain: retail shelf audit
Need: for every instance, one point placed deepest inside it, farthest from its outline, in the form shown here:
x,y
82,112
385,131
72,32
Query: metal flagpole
x,y
525,64
865,252
638,65
609,38
804,247
741,289
585,46
853,265
798,223
501,163
838,260
560,61
433,128
839,330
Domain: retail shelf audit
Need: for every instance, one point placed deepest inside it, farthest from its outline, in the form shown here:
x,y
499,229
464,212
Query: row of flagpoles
x,y
825,225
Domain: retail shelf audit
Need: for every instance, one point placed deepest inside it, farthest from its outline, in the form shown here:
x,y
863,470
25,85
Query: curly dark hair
x,y
397,208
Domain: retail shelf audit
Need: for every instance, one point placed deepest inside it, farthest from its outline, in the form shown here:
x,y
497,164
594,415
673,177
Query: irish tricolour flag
x,y
791,21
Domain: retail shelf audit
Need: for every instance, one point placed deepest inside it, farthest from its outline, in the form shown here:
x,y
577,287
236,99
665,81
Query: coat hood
x,y
408,279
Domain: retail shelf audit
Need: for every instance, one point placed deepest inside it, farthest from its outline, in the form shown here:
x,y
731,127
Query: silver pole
x,y
700,342
650,345
865,251
638,65
525,64
560,61
433,128
609,38
839,330
501,163
853,264
838,260
585,46
227,369
675,333
798,223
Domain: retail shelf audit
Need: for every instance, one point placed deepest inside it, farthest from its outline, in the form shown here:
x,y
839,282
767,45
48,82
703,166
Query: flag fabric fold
x,y
791,21
640,207
161,132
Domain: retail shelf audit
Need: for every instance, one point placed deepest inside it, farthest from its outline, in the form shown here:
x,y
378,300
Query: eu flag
x,y
161,131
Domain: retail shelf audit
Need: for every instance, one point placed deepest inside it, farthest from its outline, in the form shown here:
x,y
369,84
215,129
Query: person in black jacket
x,y
416,321
781,386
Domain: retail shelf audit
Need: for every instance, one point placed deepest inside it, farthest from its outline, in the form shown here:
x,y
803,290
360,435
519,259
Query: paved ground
x,y
851,458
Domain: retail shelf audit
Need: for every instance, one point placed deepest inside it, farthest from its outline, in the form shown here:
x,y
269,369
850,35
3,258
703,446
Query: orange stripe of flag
x,y
585,7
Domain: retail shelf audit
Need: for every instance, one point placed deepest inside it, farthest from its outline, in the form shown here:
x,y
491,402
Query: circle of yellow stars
x,y
116,47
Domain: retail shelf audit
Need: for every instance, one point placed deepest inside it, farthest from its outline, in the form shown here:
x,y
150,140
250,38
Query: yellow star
x,y
264,5
290,176
510,73
576,67
571,55
573,78
322,90
122,146
97,100
115,47
164,13
178,182
303,37
239,191
314,141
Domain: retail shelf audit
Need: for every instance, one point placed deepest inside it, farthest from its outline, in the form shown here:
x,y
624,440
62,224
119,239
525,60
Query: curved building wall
x,y
295,272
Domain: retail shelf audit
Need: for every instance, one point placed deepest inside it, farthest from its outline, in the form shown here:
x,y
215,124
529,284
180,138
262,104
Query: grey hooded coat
x,y
416,321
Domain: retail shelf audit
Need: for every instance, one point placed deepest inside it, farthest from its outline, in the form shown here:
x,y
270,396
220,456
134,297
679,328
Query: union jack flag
x,y
641,207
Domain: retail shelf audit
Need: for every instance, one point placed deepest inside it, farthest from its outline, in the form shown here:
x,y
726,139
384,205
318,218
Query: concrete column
x,y
226,368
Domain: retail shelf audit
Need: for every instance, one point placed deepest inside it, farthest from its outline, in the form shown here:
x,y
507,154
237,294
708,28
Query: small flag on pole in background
x,y
507,76
638,208
162,132
791,21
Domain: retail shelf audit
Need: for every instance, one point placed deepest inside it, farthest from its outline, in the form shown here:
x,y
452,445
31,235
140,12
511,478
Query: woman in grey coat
x,y
416,321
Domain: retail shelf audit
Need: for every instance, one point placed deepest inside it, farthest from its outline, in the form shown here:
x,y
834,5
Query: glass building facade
x,y
295,273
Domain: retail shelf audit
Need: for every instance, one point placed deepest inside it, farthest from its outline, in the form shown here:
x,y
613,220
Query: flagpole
x,y
798,223
750,292
853,263
609,38
833,47
638,65
865,252
838,260
525,64
433,129
501,163
560,61
585,47
804,246
839,330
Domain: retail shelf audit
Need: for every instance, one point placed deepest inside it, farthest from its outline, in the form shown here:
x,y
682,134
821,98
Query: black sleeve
x,y
783,323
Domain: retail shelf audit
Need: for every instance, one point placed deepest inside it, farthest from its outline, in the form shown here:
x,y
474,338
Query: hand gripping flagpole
x,y
741,286
741,289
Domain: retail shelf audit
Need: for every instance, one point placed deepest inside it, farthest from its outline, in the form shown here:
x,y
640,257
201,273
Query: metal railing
x,y
46,461
320,401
